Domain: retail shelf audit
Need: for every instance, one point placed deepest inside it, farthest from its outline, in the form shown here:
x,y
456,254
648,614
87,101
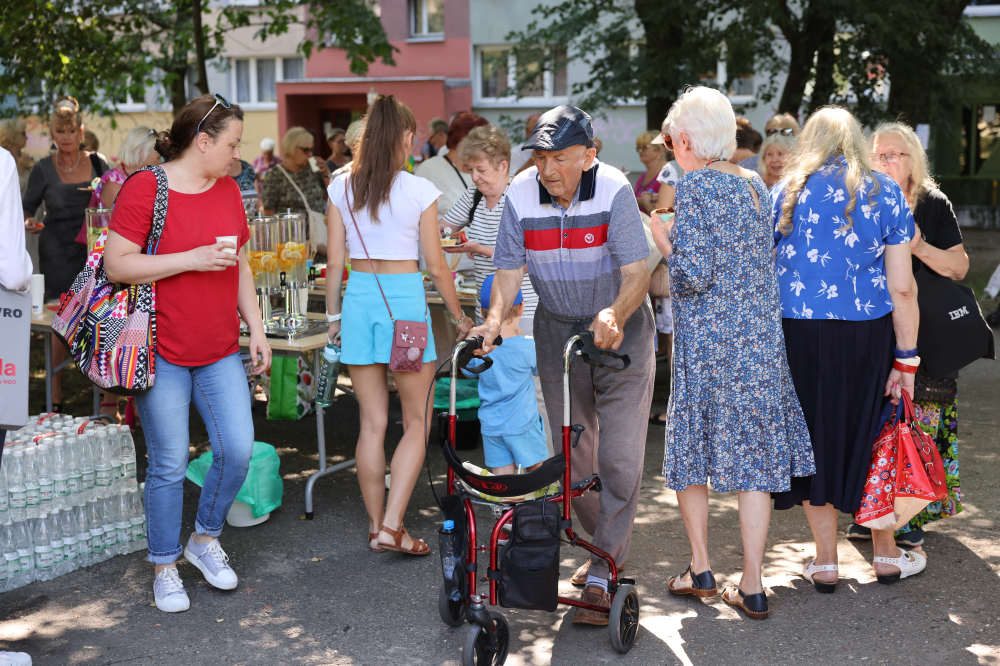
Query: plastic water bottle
x,y
25,552
88,475
55,535
4,499
114,443
17,491
10,566
32,491
138,519
83,536
446,539
74,476
102,465
328,373
71,541
96,531
108,525
123,524
43,549
46,482
128,455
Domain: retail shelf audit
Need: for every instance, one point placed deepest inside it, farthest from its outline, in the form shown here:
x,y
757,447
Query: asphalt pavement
x,y
310,592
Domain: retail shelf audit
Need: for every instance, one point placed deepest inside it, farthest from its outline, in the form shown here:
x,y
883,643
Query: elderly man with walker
x,y
574,223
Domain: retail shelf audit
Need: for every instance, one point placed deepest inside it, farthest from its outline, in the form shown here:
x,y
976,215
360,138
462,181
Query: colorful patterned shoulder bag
x,y
110,329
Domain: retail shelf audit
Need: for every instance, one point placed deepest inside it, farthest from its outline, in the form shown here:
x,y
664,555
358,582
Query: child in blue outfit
x,y
513,434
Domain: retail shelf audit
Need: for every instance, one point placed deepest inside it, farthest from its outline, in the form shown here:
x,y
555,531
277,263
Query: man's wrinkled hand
x,y
606,329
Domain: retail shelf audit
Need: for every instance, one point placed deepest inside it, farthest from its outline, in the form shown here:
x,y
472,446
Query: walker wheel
x,y
452,612
623,620
477,650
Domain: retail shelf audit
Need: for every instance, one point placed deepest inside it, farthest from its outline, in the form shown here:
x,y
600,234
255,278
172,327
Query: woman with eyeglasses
x,y
202,283
782,123
654,157
293,186
936,245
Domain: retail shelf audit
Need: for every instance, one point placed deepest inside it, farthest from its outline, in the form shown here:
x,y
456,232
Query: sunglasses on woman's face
x,y
306,149
784,131
667,141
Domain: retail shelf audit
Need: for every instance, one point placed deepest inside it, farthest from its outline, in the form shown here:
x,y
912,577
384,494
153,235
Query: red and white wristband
x,y
907,365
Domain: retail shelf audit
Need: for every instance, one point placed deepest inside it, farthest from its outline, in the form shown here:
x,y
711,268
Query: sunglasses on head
x,y
784,131
219,99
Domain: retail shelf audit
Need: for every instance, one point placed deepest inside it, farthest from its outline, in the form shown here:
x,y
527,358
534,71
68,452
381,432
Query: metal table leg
x,y
48,372
321,437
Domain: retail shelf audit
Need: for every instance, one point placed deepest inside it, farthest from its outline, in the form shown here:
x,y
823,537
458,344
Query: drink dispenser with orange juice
x,y
262,256
291,258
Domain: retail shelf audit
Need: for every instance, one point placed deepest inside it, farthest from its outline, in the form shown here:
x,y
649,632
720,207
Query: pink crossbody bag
x,y
409,338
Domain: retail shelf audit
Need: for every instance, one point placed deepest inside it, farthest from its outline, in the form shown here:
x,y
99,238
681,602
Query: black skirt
x,y
839,369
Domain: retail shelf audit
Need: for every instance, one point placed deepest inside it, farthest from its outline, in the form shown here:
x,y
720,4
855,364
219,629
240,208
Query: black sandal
x,y
655,420
754,605
702,585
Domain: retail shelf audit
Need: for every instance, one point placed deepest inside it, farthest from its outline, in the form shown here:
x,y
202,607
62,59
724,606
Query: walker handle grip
x,y
592,355
466,355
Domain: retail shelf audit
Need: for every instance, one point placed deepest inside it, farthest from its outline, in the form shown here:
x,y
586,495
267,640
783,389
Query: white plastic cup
x,y
232,239
37,291
313,164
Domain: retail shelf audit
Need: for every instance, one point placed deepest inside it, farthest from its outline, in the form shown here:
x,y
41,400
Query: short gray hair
x,y
707,117
137,146
486,141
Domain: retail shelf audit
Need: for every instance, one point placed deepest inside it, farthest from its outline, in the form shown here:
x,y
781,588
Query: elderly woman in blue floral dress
x,y
733,413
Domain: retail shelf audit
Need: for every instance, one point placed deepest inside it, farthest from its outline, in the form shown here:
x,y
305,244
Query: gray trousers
x,y
614,409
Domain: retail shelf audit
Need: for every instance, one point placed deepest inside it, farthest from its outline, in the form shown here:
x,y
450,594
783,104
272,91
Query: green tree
x,y
634,49
101,50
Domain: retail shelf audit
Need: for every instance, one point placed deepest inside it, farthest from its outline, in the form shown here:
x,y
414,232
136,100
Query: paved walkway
x,y
311,593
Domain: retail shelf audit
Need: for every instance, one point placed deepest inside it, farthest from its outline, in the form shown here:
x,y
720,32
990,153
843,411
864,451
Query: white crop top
x,y
397,234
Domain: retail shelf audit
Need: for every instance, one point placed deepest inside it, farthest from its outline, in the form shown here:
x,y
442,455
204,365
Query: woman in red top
x,y
201,284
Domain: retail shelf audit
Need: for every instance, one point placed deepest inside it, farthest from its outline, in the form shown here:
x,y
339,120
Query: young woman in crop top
x,y
394,212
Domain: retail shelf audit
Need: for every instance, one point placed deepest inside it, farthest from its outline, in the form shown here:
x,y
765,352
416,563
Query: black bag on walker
x,y
529,567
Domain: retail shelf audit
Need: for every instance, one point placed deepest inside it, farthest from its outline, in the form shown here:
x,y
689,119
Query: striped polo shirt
x,y
574,256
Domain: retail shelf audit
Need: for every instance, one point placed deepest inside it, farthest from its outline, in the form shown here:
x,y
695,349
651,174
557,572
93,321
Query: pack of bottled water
x,y
68,498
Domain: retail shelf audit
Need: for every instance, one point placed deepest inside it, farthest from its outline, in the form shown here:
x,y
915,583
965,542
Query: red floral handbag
x,y
409,338
906,472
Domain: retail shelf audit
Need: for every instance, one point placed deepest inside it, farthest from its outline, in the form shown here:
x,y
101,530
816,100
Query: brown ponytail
x,y
170,144
380,153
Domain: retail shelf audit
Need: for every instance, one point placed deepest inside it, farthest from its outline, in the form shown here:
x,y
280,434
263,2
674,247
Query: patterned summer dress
x,y
733,413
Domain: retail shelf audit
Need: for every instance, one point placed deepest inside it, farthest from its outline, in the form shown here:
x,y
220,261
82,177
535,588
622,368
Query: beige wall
x,y
256,126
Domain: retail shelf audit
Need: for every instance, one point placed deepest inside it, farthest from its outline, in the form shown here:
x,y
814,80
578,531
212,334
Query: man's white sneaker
x,y
168,591
213,562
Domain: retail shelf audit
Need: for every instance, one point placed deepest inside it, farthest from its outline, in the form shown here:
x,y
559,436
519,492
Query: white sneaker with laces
x,y
169,593
213,562
15,659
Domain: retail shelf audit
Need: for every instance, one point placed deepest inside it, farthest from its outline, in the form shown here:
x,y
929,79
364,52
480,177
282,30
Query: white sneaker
x,y
15,659
213,562
168,592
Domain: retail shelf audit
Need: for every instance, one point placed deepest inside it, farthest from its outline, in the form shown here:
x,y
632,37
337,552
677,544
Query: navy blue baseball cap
x,y
484,297
560,128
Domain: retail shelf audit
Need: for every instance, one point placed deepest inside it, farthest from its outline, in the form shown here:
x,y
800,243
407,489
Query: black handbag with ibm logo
x,y
953,332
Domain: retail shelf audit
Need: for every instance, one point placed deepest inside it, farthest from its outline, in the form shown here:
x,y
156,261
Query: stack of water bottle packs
x,y
68,498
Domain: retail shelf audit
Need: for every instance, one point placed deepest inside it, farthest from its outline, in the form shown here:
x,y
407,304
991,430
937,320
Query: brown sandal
x,y
374,536
419,547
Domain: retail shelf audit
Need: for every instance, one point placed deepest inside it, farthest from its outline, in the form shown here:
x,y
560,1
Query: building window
x,y
499,71
242,81
426,18
494,72
266,89
292,69
254,80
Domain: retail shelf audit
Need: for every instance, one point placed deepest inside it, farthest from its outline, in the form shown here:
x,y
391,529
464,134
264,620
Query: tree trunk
x,y
824,86
199,46
178,98
814,37
799,64
663,37
657,109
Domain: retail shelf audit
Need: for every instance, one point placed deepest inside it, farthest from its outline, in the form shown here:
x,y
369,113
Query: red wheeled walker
x,y
523,568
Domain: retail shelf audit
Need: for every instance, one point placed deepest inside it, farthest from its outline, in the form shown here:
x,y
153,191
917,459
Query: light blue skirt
x,y
366,328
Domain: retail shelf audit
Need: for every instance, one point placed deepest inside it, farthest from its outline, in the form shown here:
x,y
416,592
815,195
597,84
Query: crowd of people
x,y
781,360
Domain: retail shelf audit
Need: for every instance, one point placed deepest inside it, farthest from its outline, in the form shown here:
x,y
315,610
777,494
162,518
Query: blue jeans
x,y
222,397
